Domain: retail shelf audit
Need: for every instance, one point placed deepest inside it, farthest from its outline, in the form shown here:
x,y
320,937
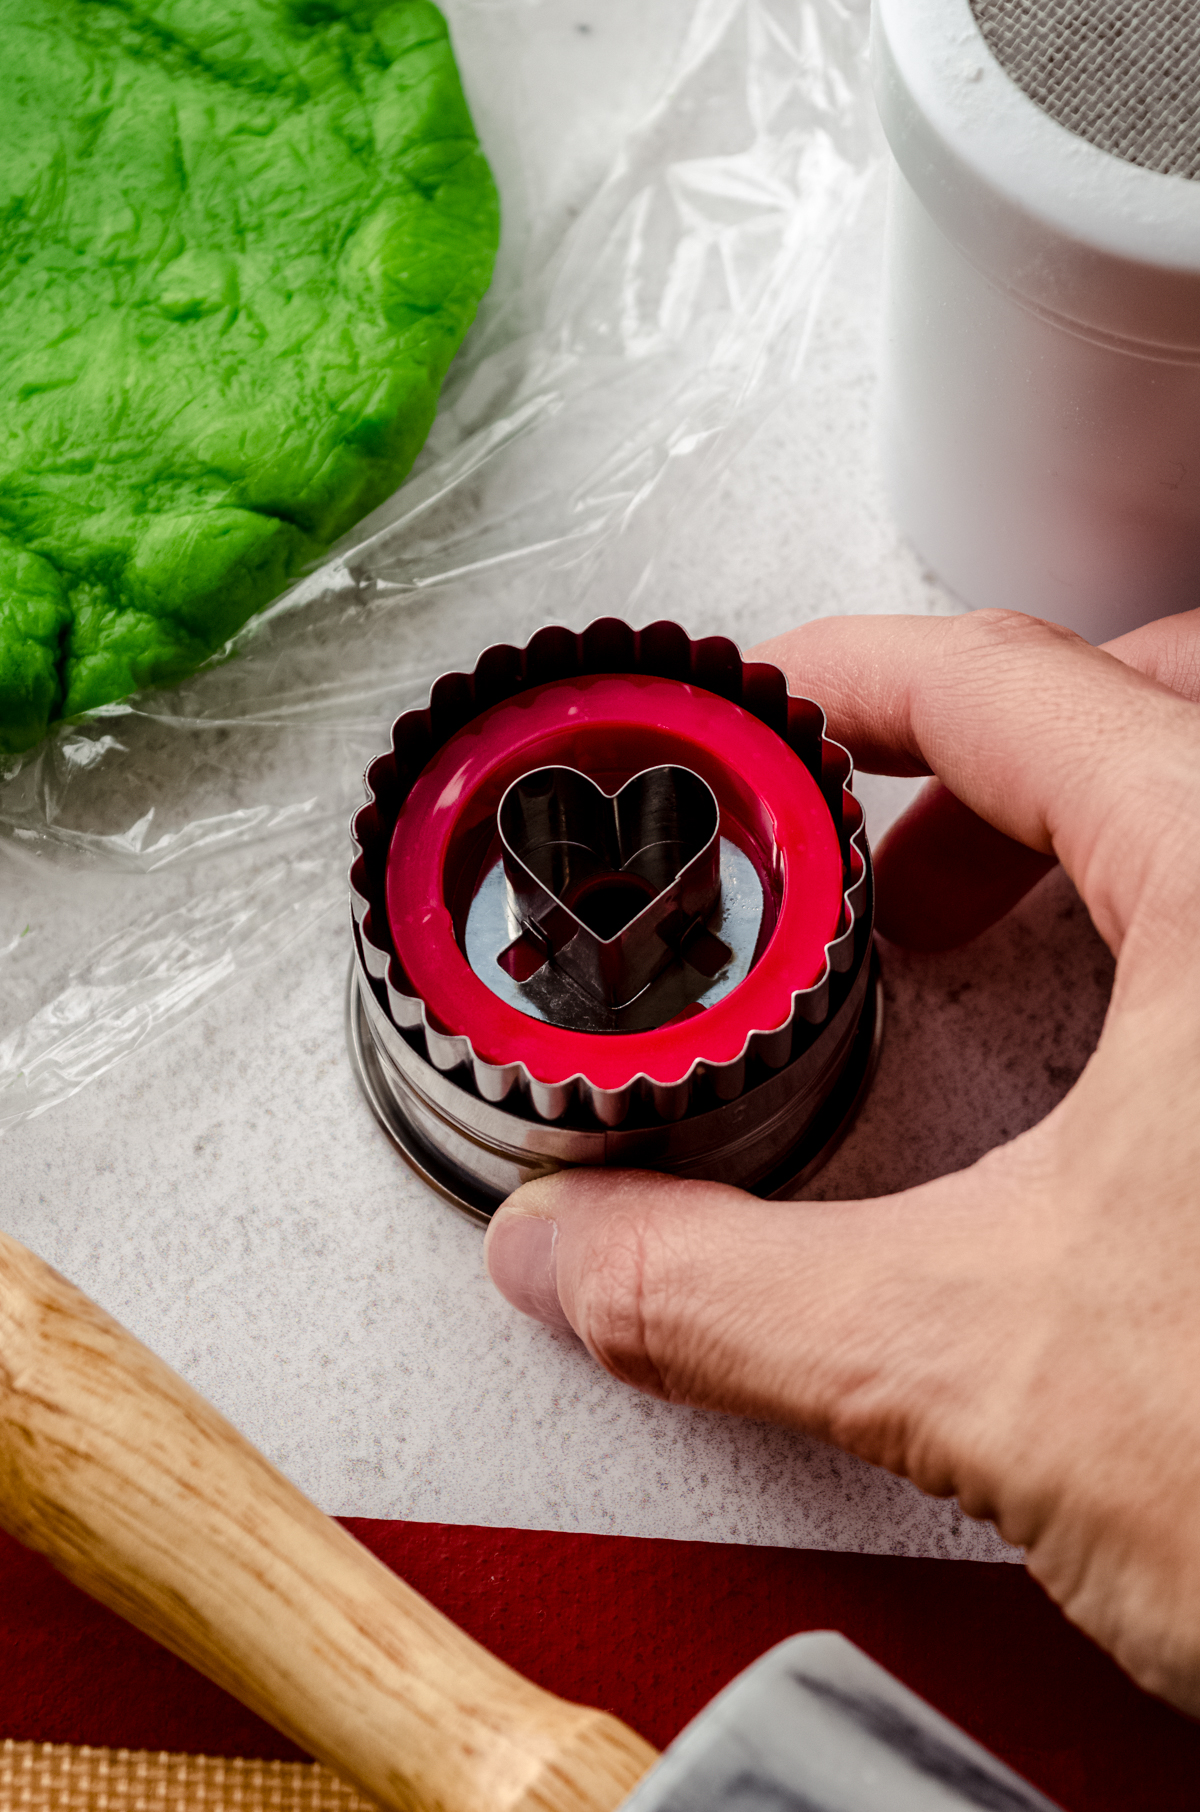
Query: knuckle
x,y
639,1307
680,1290
611,1317
1011,628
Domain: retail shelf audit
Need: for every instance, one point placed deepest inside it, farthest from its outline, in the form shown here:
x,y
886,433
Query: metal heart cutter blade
x,y
612,905
610,891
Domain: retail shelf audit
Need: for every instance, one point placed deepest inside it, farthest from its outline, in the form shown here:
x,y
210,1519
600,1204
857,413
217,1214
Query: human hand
x,y
1024,1335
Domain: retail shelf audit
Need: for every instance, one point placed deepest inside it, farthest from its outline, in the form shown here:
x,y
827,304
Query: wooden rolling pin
x,y
136,1489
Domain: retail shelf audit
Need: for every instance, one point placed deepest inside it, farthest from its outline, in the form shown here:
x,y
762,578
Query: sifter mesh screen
x,y
1124,74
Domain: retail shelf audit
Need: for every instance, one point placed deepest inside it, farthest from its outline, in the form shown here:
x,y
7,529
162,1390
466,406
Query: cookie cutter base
x,y
392,1102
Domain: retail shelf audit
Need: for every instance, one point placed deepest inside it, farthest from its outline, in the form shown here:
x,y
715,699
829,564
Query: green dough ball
x,y
242,241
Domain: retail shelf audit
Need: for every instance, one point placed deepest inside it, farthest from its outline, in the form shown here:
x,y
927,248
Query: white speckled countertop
x,y
226,1193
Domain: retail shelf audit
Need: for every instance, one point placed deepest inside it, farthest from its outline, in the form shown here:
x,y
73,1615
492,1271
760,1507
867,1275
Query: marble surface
x,y
225,1192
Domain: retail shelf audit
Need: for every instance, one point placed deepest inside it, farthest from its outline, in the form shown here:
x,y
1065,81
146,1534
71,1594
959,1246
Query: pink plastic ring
x,y
611,726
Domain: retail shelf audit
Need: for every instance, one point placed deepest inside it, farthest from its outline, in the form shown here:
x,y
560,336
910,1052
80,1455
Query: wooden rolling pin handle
x,y
136,1489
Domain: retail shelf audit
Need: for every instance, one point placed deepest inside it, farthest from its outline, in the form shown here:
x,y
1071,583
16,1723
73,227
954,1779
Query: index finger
x,y
1056,743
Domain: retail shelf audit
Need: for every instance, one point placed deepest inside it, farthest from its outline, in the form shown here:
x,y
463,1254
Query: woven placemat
x,y
57,1777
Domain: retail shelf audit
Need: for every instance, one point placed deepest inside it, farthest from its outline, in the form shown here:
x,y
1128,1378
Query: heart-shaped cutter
x,y
484,1098
397,1008
609,887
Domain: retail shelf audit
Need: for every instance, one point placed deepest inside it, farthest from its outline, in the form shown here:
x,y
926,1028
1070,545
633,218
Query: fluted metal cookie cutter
x,y
611,889
612,905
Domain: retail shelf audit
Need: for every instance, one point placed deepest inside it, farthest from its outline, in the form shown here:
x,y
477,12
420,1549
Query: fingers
x,y
860,1322
1167,651
1054,743
943,874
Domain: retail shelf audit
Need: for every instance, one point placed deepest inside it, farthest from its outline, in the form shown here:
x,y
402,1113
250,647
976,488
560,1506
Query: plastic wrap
x,y
674,183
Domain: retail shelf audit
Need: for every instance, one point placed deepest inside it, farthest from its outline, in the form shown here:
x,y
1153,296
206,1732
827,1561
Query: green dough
x,y
242,240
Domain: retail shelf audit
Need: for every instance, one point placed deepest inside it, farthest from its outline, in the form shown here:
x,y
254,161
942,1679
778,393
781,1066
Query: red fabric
x,y
649,1630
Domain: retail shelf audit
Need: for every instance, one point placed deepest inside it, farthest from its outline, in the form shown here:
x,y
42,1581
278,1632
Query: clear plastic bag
x,y
675,181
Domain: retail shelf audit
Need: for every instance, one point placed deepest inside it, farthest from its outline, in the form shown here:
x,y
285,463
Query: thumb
x,y
861,1322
